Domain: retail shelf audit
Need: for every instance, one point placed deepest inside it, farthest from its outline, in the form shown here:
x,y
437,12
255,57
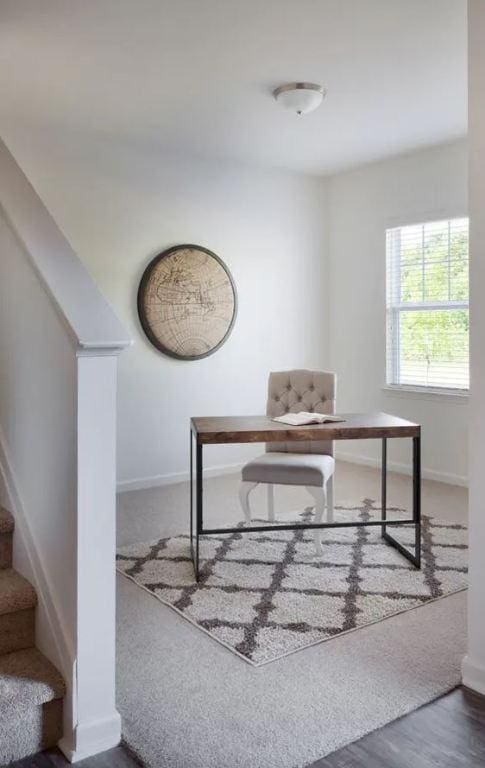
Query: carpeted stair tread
x,y
6,521
28,679
16,593
31,688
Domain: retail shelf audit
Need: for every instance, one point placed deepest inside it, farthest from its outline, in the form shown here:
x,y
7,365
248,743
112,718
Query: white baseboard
x,y
473,675
403,469
176,477
92,737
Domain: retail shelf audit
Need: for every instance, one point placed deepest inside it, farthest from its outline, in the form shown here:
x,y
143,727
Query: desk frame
x,y
260,429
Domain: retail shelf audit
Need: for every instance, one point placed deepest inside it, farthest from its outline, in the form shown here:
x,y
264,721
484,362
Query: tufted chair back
x,y
294,391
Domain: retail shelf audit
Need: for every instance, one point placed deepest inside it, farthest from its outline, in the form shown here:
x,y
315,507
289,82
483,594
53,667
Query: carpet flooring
x,y
185,700
265,595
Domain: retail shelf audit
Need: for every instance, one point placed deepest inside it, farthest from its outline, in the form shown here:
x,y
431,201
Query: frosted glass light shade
x,y
299,97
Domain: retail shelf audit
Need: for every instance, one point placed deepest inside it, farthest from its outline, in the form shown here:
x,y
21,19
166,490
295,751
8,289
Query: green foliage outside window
x,y
434,342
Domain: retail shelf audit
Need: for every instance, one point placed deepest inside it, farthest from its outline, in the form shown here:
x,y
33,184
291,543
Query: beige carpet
x,y
185,700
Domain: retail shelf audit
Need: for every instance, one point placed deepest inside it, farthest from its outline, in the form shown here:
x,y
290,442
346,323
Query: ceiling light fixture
x,y
300,97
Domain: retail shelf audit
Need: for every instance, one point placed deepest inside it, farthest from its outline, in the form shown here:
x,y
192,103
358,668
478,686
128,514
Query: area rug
x,y
265,595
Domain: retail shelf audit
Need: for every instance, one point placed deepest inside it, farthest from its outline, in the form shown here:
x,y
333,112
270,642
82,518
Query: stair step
x,y
17,612
31,692
6,521
6,538
24,733
28,678
16,593
6,550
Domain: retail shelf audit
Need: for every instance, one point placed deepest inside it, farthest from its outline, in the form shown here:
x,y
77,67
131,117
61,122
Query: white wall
x,y
362,204
119,206
474,663
308,258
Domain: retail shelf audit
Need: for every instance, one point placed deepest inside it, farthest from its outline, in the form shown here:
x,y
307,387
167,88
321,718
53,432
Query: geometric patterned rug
x,y
266,595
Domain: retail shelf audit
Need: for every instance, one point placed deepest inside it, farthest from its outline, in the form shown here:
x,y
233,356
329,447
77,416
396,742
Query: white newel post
x,y
474,662
96,722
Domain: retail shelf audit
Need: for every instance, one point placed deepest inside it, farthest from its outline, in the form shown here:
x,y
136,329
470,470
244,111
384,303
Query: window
x,y
427,305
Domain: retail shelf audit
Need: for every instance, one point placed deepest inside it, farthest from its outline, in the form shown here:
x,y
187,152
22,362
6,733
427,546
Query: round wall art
x,y
187,302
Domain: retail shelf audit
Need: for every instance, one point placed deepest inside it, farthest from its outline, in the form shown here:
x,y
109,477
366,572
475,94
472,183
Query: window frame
x,y
394,309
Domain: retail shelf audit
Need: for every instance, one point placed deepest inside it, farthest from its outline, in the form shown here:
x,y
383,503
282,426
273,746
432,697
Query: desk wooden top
x,y
261,429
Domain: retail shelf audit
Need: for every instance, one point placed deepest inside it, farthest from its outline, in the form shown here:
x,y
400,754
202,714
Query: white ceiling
x,y
196,75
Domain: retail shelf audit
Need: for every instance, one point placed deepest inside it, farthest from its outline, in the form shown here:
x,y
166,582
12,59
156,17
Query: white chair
x,y
307,463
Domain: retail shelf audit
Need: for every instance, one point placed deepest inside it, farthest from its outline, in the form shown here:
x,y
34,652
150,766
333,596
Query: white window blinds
x,y
427,305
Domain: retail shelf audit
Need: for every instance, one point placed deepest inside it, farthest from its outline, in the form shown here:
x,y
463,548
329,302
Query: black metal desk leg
x,y
198,507
417,499
413,557
384,483
191,479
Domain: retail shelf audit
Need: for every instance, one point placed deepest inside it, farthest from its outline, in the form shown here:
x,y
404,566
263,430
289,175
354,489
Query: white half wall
x,y
59,341
38,409
362,204
120,206
474,663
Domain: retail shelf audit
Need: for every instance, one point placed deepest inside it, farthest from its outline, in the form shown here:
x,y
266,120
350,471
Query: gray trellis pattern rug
x,y
265,595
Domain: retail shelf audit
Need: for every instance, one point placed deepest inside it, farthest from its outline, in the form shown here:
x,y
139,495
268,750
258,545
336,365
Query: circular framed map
x,y
187,302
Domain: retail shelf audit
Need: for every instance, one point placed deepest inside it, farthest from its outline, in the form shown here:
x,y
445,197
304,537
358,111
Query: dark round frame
x,y
141,309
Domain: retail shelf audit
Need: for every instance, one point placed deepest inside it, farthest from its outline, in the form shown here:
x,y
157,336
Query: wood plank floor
x,y
119,757
448,733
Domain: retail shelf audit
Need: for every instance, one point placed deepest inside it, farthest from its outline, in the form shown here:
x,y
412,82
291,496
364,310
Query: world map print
x,y
187,302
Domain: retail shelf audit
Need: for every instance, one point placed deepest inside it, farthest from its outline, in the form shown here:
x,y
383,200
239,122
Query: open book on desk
x,y
305,417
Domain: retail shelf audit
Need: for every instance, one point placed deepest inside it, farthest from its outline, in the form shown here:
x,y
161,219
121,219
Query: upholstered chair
x,y
308,463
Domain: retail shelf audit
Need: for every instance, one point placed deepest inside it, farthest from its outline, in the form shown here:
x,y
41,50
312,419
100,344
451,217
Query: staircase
x,y
31,689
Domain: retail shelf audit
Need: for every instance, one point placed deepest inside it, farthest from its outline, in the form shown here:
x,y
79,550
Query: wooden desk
x,y
217,430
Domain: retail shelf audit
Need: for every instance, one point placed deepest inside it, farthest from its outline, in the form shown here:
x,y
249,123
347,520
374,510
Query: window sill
x,y
427,393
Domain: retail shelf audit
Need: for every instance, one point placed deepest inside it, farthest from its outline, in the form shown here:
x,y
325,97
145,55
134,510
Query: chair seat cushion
x,y
283,468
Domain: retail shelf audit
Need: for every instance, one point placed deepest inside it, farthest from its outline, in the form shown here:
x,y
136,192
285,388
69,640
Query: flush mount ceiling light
x,y
300,97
